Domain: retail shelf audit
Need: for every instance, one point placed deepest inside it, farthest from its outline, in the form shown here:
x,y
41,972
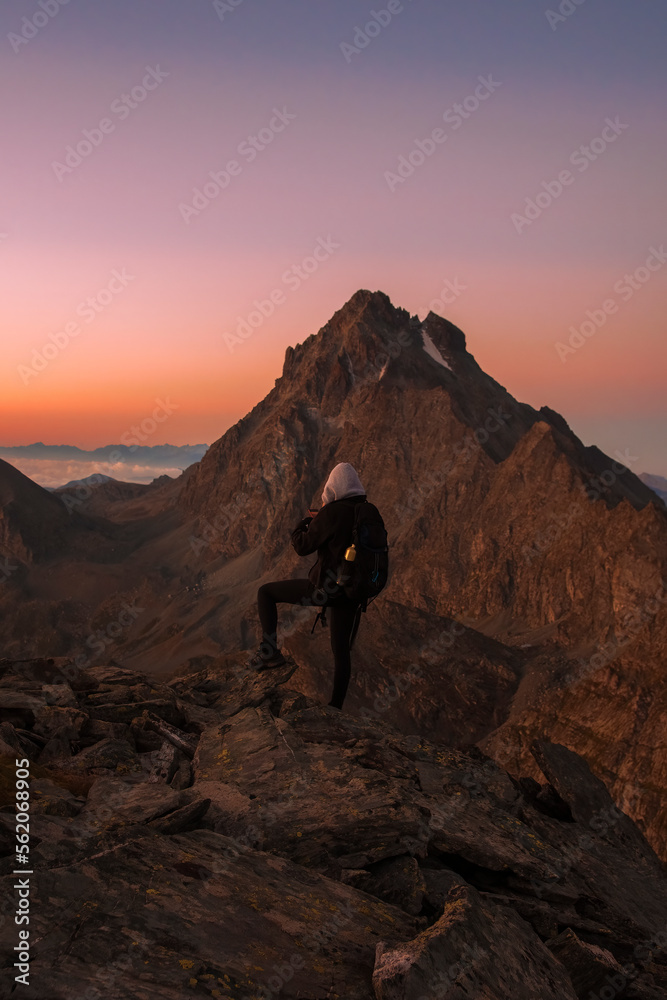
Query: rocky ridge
x,y
225,835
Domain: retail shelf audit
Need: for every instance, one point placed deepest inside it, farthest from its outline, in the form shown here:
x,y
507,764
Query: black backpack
x,y
367,575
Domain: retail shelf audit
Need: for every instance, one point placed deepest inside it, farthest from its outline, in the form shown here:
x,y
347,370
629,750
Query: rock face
x,y
461,470
498,517
33,522
311,853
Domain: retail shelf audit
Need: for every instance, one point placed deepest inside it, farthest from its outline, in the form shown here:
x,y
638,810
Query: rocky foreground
x,y
222,835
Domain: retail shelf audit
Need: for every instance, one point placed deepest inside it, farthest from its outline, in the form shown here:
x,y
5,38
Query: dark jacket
x,y
330,533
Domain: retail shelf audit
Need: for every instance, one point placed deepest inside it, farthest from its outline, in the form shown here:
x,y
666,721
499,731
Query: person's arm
x,y
312,532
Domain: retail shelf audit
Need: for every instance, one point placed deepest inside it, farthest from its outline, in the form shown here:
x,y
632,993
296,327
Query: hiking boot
x,y
261,662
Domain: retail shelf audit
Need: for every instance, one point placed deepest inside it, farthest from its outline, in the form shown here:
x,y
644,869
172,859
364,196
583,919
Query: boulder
x,y
183,776
113,802
127,711
19,708
165,763
59,694
396,880
56,720
473,950
114,755
53,800
591,969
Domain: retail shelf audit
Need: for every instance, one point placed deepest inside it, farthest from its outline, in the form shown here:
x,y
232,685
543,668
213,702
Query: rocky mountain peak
x,y
444,334
370,341
351,339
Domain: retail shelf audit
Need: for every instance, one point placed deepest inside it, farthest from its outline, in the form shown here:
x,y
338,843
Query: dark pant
x,y
341,622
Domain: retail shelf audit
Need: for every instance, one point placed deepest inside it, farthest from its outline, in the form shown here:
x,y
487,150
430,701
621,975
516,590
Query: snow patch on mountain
x,y
433,351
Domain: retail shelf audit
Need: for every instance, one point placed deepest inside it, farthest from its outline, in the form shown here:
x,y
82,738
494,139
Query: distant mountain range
x,y
158,455
54,466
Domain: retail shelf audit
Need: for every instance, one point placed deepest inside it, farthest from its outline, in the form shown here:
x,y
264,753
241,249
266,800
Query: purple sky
x,y
169,92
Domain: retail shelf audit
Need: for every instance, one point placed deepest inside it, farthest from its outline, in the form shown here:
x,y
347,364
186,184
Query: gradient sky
x,y
163,335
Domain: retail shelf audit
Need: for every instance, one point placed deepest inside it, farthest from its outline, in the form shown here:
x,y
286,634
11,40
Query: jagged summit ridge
x,y
370,338
448,336
371,377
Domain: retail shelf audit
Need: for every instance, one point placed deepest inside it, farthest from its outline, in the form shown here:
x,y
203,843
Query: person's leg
x,y
341,619
268,596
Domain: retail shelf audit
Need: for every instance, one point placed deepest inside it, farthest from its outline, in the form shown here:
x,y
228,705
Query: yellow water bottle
x,y
350,556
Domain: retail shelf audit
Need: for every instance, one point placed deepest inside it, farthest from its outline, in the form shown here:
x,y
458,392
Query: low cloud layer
x,y
53,473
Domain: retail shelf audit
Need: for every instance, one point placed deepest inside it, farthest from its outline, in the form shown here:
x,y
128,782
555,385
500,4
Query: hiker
x,y
329,532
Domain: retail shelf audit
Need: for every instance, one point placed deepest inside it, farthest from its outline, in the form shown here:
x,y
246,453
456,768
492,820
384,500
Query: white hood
x,y
343,482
